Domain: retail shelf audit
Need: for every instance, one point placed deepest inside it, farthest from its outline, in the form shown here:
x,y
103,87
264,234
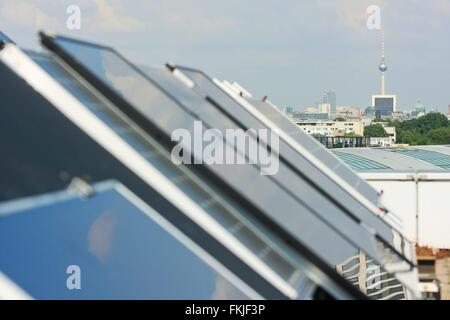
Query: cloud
x,y
197,20
27,14
101,15
188,21
109,19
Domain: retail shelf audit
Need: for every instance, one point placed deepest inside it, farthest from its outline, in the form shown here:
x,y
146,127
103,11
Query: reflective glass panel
x,y
121,249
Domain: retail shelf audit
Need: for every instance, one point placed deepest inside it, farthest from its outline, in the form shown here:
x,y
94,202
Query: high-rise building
x,y
324,108
289,110
330,98
384,104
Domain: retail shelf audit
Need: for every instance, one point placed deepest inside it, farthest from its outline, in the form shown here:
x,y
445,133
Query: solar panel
x,y
312,145
69,152
347,245
123,248
210,88
223,210
266,253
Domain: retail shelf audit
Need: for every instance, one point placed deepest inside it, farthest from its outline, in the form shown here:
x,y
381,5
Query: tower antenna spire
x,y
383,66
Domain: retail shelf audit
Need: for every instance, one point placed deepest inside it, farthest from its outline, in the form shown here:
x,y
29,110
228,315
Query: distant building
x,y
399,115
366,121
324,108
419,106
418,110
310,116
332,128
318,112
369,112
384,141
381,142
391,131
385,105
330,98
347,111
311,110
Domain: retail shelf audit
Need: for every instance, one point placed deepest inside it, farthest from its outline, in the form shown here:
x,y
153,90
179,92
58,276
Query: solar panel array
x,y
271,236
223,210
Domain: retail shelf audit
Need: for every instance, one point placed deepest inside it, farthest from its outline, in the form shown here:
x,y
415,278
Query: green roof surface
x,y
357,162
438,159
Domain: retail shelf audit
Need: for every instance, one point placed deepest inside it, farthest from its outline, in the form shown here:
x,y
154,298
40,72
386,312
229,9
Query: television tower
x,y
382,67
384,104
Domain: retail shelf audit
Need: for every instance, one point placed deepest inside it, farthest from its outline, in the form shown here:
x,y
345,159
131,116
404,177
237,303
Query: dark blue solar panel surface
x,y
121,251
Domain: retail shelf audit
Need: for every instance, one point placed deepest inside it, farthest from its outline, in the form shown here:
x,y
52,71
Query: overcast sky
x,y
290,50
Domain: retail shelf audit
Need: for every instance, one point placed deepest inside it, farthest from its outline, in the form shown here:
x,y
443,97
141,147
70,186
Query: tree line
x,y
432,128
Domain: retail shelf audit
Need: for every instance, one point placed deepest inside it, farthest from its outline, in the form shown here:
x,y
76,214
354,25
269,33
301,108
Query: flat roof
x,y
404,159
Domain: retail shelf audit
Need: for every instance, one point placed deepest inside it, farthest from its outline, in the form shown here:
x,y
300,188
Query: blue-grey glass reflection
x,y
109,67
121,251
5,38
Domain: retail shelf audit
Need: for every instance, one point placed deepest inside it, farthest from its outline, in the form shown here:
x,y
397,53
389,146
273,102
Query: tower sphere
x,y
382,67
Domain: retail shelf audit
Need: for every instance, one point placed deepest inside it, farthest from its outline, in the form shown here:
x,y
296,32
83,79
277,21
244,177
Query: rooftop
x,y
405,159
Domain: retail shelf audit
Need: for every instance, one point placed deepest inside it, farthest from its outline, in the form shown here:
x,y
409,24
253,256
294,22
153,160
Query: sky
x,y
290,50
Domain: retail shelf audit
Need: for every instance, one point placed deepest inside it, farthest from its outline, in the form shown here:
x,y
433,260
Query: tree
x,y
425,123
415,131
431,121
375,130
438,136
412,137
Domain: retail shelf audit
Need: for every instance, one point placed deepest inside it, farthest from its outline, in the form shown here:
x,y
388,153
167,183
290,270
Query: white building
x,y
332,128
415,182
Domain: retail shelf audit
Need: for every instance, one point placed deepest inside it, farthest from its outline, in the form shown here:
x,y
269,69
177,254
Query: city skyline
x,y
316,47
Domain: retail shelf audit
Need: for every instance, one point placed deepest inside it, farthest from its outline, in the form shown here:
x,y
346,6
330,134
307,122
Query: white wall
x,y
399,198
423,205
434,214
